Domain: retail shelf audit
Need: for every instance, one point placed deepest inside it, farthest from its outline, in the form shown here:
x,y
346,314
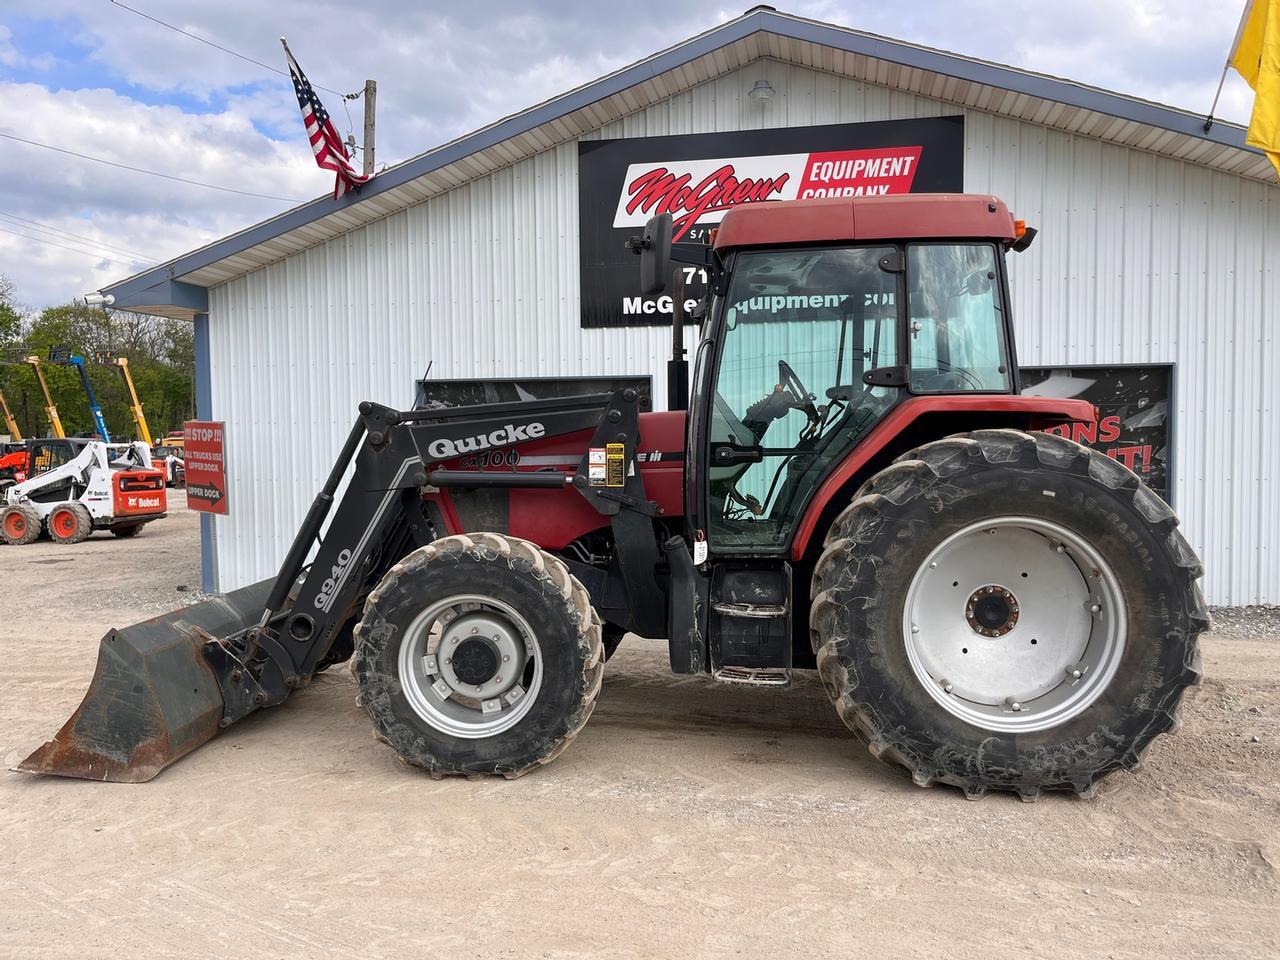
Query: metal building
x,y
1159,243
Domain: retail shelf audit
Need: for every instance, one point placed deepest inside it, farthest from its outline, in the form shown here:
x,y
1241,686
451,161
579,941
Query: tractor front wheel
x,y
19,524
1007,611
478,654
69,523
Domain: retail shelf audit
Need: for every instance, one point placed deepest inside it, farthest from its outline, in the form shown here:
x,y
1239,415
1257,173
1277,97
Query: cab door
x,y
781,387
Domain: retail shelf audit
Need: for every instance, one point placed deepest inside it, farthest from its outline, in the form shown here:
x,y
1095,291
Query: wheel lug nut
x,y
475,629
505,659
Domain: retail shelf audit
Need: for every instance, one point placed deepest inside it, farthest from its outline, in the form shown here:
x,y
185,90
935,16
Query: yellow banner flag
x,y
1256,57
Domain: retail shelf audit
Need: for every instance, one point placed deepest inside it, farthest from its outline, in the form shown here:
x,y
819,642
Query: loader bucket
x,y
153,699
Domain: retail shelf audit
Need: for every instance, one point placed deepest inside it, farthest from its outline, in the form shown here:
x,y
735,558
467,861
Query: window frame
x,y
697,508
1014,383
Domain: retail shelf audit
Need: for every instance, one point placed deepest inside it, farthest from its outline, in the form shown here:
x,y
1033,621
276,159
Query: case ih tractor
x,y
857,485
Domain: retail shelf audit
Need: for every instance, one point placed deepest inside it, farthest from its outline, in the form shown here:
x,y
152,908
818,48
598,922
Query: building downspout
x,y
204,411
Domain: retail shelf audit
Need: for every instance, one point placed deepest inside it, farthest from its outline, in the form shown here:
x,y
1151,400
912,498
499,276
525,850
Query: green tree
x,y
161,356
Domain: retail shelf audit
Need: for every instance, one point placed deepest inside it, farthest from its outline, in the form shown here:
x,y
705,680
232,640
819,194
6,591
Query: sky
x,y
93,77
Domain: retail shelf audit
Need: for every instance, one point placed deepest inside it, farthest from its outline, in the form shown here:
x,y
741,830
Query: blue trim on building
x,y
204,411
143,289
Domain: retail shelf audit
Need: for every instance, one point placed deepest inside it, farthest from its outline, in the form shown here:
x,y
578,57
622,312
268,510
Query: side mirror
x,y
654,249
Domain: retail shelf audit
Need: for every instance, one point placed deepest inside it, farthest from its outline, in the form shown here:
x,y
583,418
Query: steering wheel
x,y
803,399
791,381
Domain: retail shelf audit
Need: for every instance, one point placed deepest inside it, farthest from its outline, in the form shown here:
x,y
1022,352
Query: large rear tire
x,y
478,654
19,524
1007,611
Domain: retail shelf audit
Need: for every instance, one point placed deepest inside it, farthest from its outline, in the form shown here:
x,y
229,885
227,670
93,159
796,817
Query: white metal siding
x,y
1139,258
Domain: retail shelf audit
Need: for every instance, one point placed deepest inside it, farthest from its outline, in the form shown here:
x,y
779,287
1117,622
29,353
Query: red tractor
x,y
857,485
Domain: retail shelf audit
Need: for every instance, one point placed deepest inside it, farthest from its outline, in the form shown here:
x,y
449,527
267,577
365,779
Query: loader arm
x,y
50,408
135,405
166,686
64,357
11,424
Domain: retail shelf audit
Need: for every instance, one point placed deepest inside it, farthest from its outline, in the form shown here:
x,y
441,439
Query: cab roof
x,y
915,216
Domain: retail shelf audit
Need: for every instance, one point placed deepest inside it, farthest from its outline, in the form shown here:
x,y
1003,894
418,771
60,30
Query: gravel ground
x,y
690,819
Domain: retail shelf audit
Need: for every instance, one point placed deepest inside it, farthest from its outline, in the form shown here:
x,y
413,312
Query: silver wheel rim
x,y
1014,624
430,678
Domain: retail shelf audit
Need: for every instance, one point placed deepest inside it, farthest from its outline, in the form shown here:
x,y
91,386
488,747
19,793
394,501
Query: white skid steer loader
x,y
78,486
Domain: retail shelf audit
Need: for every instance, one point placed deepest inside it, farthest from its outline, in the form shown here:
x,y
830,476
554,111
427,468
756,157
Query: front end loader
x,y
857,486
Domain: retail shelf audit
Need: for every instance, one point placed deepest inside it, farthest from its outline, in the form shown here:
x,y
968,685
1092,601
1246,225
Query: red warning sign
x,y
205,465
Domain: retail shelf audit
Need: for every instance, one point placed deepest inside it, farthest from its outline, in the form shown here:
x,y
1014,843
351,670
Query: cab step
x,y
754,676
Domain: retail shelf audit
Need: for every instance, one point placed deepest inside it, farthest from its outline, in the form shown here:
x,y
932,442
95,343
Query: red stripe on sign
x,y
860,173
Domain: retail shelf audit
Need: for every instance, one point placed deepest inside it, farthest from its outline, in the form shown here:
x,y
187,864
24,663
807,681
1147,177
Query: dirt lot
x,y
688,820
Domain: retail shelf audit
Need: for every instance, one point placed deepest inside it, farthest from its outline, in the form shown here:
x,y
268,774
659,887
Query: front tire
x,y
1007,611
478,654
19,524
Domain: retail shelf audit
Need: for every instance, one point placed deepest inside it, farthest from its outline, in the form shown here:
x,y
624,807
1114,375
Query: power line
x,y
83,253
55,231
153,173
218,46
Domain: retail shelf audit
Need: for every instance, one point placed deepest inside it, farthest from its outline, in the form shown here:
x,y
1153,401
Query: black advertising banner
x,y
1134,403
698,177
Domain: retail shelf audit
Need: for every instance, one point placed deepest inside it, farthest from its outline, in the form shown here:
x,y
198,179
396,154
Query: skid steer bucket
x,y
153,698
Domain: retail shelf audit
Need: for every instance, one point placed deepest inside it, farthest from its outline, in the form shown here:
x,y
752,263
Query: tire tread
x,y
918,473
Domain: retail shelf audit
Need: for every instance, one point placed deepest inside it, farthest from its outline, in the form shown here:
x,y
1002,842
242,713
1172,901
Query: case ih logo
x,y
702,191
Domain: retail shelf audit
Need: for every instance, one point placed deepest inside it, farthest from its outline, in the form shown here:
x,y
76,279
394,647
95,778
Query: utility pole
x,y
370,122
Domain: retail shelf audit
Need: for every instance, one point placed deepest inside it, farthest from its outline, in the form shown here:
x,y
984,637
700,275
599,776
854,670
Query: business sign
x,y
206,466
698,178
1134,403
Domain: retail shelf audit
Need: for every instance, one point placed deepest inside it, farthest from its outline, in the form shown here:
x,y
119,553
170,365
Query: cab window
x,y
801,328
47,456
956,318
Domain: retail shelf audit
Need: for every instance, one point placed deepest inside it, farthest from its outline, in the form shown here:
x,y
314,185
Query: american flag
x,y
331,153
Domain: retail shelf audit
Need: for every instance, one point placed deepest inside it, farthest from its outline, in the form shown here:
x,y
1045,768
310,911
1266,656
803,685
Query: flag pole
x,y
1208,121
1235,45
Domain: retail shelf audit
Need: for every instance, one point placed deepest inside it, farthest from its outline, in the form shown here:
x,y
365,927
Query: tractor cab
x,y
825,318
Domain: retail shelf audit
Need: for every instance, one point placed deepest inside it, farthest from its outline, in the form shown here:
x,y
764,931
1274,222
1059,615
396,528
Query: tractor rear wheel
x,y
124,533
1007,611
478,654
69,523
19,524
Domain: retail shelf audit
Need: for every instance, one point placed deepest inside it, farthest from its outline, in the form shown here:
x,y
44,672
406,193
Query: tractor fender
x,y
918,420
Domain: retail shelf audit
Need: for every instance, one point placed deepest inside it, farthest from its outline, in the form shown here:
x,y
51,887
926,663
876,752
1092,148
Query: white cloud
x,y
122,208
440,73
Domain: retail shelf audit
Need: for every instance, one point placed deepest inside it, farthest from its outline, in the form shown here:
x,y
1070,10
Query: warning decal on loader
x,y
595,466
206,466
616,465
